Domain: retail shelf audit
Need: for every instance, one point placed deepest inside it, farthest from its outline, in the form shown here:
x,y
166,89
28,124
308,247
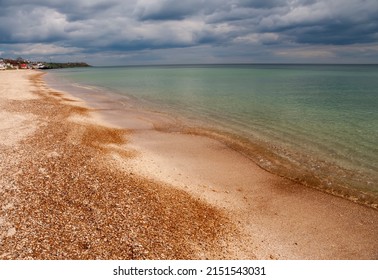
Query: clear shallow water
x,y
319,120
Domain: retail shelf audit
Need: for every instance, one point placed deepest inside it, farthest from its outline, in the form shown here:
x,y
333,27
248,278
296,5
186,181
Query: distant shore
x,y
20,63
56,65
77,184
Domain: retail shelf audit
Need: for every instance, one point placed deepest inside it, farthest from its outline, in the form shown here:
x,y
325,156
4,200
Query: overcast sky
x,y
120,32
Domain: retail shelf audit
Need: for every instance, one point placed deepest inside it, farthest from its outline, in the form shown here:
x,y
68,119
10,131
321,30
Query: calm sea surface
x,y
316,124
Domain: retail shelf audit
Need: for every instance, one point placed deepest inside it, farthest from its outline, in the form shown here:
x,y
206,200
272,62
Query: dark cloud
x,y
216,27
262,4
31,25
167,9
335,33
320,22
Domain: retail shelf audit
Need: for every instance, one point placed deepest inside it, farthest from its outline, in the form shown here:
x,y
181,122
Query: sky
x,y
138,32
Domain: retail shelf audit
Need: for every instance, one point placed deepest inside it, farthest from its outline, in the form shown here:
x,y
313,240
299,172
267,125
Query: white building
x,y
3,66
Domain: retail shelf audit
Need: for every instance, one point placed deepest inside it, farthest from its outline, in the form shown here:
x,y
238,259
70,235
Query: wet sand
x,y
94,183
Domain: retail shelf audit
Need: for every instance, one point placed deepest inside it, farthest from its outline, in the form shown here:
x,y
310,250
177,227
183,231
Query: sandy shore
x,y
77,184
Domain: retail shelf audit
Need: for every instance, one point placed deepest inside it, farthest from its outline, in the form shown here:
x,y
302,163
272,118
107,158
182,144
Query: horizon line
x,y
246,64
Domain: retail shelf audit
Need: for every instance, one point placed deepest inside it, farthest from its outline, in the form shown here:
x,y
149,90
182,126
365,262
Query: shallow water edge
x,y
288,163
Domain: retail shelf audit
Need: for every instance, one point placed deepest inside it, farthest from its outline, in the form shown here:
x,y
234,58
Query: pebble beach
x,y
74,186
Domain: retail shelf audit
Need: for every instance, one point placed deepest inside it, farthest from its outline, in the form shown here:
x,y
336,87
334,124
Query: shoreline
x,y
251,213
64,198
303,167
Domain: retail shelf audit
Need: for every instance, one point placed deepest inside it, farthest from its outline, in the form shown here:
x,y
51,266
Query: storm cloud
x,y
168,31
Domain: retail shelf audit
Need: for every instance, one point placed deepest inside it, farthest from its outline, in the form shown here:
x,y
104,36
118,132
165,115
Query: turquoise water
x,y
321,120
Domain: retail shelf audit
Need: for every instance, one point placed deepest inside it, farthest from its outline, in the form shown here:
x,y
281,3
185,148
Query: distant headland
x,y
20,63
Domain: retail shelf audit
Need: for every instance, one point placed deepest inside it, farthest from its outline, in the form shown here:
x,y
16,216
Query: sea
x,y
316,125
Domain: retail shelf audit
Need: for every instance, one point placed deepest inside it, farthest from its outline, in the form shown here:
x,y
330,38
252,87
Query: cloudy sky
x,y
119,32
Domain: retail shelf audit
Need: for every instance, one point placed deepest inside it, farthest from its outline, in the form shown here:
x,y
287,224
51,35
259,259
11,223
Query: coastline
x,y
219,205
335,155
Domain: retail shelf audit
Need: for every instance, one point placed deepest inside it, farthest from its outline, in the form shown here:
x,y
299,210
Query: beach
x,y
78,183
